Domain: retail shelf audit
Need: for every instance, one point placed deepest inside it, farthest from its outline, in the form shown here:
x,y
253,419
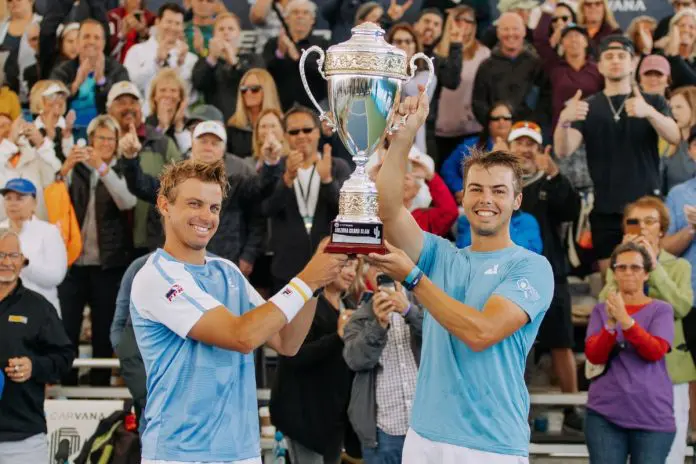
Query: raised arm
x,y
400,228
567,139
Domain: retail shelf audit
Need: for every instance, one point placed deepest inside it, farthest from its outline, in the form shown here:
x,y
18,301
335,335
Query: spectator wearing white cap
x,y
41,241
25,153
165,49
89,77
102,204
242,229
48,101
153,151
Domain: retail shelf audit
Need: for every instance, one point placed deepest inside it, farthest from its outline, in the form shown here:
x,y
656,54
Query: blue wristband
x,y
412,278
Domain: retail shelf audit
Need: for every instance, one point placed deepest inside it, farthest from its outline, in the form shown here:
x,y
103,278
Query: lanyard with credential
x,y
306,216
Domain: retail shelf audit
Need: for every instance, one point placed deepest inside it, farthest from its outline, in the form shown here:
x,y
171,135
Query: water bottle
x,y
280,449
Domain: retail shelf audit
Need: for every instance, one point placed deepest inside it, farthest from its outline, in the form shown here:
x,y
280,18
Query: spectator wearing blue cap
x,y
41,241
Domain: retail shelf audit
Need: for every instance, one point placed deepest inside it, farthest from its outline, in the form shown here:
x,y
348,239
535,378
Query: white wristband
x,y
291,298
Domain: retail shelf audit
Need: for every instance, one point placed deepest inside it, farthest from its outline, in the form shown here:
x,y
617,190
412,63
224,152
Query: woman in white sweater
x,y
41,241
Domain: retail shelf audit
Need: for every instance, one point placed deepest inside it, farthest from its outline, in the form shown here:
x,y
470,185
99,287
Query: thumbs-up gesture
x,y
545,163
324,165
500,145
130,144
576,109
636,106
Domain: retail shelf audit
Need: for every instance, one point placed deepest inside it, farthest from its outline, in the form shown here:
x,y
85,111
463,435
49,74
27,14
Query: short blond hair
x,y
36,98
166,75
175,174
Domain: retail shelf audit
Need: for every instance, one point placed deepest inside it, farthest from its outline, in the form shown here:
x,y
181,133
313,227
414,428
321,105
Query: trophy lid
x,y
366,52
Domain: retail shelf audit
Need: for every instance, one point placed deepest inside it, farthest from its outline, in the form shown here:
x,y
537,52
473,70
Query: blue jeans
x,y
610,444
388,449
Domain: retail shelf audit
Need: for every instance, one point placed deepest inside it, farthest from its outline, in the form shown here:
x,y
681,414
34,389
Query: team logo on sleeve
x,y
174,291
530,293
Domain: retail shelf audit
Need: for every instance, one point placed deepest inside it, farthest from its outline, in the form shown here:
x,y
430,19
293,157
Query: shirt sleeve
x,y
168,294
659,103
676,213
432,245
529,284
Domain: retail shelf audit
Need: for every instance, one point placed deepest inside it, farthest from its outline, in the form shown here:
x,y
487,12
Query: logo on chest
x,y
173,292
18,319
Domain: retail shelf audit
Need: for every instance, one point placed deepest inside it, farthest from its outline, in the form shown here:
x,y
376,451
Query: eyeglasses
x,y
398,42
500,118
563,18
648,221
527,125
13,255
304,130
626,267
250,88
101,138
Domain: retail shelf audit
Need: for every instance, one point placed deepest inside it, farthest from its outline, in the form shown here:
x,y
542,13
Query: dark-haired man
x,y
165,49
484,307
197,320
621,127
89,76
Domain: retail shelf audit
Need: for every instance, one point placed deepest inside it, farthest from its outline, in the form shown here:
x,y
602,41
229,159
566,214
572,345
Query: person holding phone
x,y
383,346
646,220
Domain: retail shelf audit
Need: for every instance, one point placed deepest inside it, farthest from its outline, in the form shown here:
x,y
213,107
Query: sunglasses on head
x,y
250,88
500,118
526,124
304,130
563,18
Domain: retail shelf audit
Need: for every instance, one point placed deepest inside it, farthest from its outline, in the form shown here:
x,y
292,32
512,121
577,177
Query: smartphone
x,y
632,227
384,281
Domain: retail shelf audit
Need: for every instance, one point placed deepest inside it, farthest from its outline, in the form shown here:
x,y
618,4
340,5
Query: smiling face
x,y
55,104
511,32
104,142
90,40
593,10
127,110
526,150
500,122
170,26
429,28
297,126
19,207
207,148
687,30
489,199
574,44
168,92
69,45
192,214
346,276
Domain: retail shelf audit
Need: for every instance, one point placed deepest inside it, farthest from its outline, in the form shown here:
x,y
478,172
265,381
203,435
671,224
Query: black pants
x,y
96,287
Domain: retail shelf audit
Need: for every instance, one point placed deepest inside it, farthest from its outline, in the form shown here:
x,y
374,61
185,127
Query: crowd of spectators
x,y
95,102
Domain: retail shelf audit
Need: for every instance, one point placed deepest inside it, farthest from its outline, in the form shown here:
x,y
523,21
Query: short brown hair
x,y
491,159
651,202
632,247
177,173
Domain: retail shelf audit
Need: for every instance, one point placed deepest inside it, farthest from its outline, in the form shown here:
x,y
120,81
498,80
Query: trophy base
x,y
356,238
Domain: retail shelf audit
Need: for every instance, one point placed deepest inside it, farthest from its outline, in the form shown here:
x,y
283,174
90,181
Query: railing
x,y
264,395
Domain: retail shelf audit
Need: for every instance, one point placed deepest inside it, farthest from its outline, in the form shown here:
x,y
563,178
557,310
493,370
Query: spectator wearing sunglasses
x,y
596,16
497,128
573,68
646,221
218,75
629,407
257,92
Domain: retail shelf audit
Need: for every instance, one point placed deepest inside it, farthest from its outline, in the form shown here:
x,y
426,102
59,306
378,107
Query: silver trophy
x,y
365,76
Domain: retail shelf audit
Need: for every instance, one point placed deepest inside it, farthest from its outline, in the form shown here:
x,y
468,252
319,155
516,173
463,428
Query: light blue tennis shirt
x,y
479,400
201,400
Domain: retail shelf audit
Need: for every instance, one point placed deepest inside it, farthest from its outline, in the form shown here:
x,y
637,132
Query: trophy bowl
x,y
365,75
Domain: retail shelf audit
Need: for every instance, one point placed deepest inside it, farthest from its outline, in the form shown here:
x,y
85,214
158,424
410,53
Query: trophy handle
x,y
431,72
323,115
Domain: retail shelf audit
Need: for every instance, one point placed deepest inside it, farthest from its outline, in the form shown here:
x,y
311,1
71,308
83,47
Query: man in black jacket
x,y
91,75
282,55
34,351
304,199
242,229
549,196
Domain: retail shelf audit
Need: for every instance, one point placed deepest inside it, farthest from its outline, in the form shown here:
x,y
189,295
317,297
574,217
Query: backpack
x,y
112,442
61,213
